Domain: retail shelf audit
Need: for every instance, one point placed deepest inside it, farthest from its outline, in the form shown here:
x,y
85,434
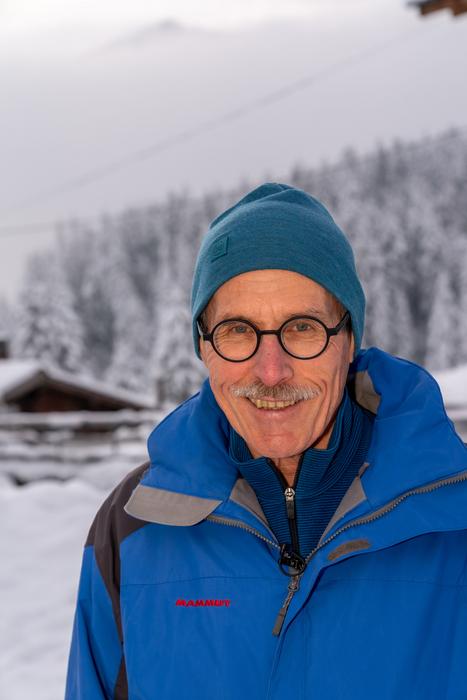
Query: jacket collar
x,y
190,472
413,443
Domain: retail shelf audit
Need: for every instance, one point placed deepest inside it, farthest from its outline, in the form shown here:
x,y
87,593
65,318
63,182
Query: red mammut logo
x,y
202,603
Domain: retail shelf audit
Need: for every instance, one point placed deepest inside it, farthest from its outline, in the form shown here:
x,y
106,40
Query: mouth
x,y
264,404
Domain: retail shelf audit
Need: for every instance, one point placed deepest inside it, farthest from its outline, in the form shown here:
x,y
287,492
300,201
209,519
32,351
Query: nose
x,y
272,364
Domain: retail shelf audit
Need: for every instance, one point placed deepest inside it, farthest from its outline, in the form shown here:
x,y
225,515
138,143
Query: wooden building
x,y
34,387
426,7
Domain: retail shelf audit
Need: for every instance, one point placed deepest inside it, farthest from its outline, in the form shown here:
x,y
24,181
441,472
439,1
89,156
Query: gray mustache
x,y
280,392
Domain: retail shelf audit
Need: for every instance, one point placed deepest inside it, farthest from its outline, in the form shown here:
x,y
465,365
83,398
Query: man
x,y
300,529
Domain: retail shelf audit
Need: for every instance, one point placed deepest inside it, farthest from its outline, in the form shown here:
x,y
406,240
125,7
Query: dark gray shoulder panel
x,y
111,525
111,516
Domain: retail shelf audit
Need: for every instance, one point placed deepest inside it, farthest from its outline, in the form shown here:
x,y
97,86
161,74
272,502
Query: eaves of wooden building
x,y
426,7
31,386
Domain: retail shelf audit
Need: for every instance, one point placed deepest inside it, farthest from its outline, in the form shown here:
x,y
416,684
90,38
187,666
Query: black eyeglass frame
x,y
330,332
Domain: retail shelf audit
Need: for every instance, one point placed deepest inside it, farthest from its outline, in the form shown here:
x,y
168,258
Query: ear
x,y
351,348
203,351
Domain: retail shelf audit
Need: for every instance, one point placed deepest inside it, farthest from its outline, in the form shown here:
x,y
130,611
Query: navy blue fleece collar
x,y
322,478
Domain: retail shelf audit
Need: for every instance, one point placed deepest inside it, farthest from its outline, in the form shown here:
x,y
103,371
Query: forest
x,y
112,299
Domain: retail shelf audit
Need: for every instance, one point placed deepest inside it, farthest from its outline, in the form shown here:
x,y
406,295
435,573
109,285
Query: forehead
x,y
271,293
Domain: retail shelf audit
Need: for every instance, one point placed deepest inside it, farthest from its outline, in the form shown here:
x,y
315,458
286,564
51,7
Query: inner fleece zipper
x,y
290,505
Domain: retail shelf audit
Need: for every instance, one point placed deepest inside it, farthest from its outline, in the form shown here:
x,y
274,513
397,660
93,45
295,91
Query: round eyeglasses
x,y
302,337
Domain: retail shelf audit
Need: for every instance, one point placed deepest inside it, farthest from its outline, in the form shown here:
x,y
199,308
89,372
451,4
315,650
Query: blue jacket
x,y
180,588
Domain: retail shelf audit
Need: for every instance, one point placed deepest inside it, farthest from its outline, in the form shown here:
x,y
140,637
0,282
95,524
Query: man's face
x,y
267,298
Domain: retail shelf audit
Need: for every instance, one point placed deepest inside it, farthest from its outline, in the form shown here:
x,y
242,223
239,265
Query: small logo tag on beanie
x,y
219,248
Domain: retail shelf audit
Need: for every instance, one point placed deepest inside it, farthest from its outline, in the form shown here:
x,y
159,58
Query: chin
x,y
274,450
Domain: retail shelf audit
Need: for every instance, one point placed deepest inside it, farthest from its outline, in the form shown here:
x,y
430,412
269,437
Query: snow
x,y
112,299
44,526
86,382
67,473
60,446
129,279
453,384
13,373
81,419
47,325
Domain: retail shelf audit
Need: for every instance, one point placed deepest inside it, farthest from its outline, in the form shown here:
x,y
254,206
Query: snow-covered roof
x,y
15,374
453,383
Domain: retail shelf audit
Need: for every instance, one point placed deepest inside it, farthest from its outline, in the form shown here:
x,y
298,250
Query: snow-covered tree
x,y
459,312
48,327
134,337
126,278
133,327
440,332
177,371
6,318
86,255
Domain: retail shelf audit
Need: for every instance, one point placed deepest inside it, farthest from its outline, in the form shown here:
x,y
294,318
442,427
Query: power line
x,y
44,226
33,227
165,144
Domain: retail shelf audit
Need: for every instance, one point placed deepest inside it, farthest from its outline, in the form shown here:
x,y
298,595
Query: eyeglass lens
x,y
301,337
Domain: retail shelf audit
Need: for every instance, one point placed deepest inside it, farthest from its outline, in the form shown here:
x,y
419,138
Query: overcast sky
x,y
85,86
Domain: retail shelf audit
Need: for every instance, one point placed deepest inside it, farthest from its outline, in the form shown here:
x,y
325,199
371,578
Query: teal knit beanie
x,y
278,227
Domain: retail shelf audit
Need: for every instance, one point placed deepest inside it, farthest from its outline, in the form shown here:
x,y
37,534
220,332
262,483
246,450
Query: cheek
x,y
222,375
212,362
330,377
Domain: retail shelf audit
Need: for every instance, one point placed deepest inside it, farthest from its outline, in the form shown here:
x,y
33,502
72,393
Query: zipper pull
x,y
293,586
291,563
289,494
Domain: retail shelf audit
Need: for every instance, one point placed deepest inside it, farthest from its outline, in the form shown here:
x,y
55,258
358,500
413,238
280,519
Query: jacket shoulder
x,y
112,524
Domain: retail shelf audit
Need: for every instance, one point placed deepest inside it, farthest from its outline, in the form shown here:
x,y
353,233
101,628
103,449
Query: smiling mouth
x,y
272,405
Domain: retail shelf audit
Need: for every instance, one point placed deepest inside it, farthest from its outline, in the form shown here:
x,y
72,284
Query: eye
x,y
302,326
239,329
234,330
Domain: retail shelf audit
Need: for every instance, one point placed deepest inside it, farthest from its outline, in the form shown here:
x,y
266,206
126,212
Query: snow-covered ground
x,y
453,384
68,463
43,527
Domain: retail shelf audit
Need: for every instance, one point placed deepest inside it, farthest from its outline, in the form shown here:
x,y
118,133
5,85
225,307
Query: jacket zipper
x,y
238,523
289,495
293,587
384,510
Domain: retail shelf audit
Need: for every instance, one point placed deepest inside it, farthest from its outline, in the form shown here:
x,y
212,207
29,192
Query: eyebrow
x,y
307,311
312,311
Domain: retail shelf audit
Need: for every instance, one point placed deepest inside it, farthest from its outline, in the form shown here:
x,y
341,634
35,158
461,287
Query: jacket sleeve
x,y
96,655
96,667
